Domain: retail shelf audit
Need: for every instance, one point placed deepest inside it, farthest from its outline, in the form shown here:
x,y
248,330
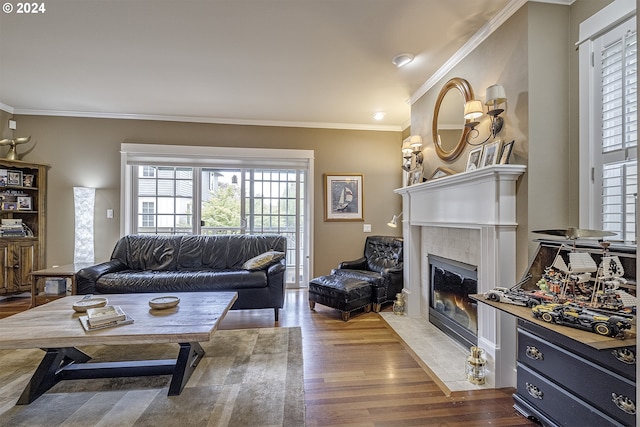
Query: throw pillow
x,y
263,261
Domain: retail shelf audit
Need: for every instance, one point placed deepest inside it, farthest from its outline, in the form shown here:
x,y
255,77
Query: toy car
x,y
510,296
576,316
539,296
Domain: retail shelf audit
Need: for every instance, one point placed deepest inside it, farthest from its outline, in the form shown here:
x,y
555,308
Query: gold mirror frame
x,y
464,87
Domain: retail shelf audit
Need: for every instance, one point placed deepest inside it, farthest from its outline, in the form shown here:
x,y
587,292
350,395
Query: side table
x,y
67,271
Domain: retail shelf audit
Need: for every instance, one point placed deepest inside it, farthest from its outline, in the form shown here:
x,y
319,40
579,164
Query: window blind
x,y
618,83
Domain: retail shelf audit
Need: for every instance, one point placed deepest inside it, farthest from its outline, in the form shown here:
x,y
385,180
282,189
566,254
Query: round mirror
x,y
449,132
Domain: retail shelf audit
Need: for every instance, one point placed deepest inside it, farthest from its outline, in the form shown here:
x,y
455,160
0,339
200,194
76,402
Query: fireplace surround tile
x,y
460,244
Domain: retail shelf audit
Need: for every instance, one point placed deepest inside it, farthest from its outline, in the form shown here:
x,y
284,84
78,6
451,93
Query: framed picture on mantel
x,y
440,172
490,153
473,161
506,152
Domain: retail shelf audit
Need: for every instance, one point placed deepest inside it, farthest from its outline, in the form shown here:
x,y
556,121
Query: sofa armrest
x,y
276,268
87,277
392,270
356,264
393,281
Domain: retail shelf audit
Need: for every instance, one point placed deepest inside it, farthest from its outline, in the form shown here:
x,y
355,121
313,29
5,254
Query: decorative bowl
x,y
84,304
164,302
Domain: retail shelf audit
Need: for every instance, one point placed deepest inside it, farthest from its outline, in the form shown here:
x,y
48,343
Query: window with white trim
x,y
209,190
609,106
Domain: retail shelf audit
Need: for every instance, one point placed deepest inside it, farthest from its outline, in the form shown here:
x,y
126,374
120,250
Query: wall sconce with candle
x,y
473,110
412,153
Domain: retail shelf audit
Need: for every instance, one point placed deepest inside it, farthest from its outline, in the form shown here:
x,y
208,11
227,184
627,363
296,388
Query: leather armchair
x,y
381,266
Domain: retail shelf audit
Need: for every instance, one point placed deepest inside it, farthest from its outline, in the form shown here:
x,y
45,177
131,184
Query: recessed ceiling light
x,y
402,59
379,115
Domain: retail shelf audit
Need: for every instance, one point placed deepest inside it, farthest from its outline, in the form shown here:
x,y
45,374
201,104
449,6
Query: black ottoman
x,y
342,293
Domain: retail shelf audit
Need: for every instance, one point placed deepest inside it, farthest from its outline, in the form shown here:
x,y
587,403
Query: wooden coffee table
x,y
55,328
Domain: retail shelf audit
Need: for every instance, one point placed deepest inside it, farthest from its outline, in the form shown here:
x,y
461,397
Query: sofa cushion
x,y
243,247
263,261
225,251
128,281
148,252
372,277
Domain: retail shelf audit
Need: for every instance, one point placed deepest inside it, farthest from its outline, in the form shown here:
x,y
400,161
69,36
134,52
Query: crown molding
x,y
481,35
211,120
562,2
7,108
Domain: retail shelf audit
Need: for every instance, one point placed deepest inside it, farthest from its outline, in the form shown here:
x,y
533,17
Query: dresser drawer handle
x,y
624,403
625,355
534,353
534,391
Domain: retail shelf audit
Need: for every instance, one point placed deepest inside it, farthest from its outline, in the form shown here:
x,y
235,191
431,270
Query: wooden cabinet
x,y
18,258
23,200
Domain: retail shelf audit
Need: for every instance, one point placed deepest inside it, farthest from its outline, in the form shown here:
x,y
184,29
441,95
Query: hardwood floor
x,y
358,373
13,305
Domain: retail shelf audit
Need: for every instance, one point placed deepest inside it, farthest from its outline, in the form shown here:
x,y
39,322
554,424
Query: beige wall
x,y
533,56
5,132
85,152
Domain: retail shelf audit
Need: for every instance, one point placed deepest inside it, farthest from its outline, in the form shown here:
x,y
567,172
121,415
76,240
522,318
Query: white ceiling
x,y
324,63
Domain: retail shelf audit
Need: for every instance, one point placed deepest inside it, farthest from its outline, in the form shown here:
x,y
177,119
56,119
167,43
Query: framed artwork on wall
x,y
490,153
343,197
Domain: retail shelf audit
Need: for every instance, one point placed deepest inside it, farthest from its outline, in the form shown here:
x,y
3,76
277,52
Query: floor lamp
x,y
84,203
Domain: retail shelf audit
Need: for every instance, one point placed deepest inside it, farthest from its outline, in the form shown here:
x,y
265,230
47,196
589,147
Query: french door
x,y
214,200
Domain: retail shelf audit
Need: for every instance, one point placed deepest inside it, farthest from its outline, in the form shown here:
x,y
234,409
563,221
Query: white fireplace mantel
x,y
482,196
482,201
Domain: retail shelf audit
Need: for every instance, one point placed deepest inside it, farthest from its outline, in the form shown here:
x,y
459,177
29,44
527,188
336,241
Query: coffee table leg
x,y
188,358
46,375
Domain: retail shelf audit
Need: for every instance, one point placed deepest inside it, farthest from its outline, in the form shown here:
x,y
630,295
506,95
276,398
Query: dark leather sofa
x,y
381,266
166,264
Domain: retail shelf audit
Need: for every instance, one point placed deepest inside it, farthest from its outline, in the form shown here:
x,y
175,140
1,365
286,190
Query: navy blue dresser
x,y
563,382
569,377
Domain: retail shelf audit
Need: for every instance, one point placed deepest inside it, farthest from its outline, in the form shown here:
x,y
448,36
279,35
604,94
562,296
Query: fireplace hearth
x,y
451,310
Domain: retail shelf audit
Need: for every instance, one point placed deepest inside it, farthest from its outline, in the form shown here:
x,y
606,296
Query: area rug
x,y
248,377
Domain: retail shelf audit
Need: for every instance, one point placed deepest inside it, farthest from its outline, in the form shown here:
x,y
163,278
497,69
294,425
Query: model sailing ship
x,y
580,293
582,281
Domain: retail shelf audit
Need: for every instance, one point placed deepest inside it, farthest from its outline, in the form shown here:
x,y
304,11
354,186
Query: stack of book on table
x,y
104,317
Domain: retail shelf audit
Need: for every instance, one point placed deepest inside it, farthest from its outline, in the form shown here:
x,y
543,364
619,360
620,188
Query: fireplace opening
x,y
451,309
